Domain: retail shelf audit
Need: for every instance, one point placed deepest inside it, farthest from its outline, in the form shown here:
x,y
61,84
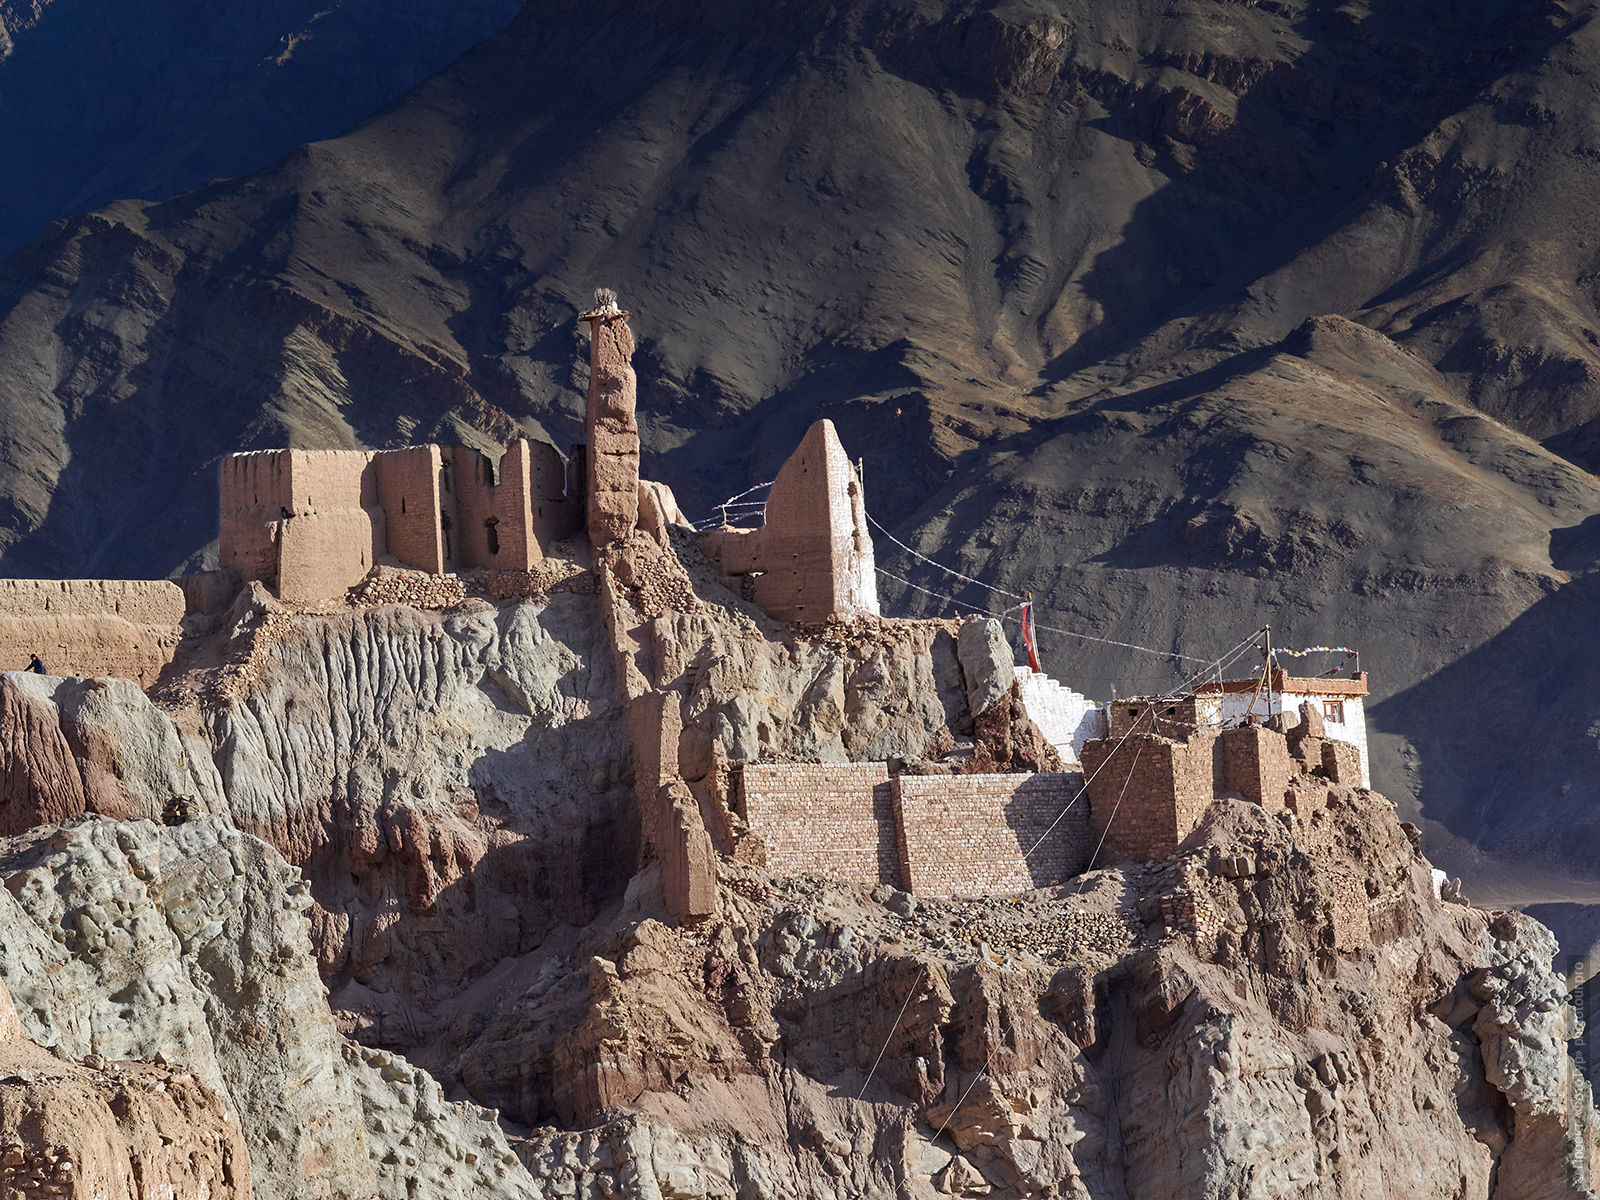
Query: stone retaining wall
x,y
830,819
980,835
936,835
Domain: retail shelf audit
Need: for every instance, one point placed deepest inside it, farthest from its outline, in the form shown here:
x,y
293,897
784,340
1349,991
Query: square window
x,y
1333,710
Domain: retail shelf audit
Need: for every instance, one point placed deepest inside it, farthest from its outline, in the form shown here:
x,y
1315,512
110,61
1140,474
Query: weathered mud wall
x,y
89,627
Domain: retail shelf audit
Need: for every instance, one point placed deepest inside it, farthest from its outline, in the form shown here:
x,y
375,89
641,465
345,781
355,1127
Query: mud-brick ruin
x,y
1027,783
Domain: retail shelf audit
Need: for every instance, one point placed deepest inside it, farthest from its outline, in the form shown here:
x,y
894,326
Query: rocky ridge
x,y
435,890
1149,310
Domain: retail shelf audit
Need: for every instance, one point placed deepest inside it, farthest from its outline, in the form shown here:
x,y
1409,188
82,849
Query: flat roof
x,y
1295,685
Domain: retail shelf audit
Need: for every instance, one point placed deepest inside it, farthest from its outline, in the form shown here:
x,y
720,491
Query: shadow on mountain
x,y
1534,685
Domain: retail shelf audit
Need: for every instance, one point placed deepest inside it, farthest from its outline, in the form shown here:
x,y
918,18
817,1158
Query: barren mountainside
x,y
1182,317
102,101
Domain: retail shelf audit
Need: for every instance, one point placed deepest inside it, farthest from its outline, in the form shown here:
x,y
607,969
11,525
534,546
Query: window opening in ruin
x,y
490,524
1170,710
1333,710
402,506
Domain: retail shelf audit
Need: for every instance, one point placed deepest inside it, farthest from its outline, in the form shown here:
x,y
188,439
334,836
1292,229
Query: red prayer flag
x,y
1029,643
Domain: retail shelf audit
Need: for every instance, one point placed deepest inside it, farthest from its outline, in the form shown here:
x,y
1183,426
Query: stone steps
x,y
1066,718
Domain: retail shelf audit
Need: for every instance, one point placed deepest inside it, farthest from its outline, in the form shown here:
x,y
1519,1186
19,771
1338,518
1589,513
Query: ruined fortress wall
x,y
322,481
254,498
137,601
812,548
315,521
323,555
830,819
127,628
512,506
306,518
336,531
474,477
971,835
409,493
812,556
611,432
555,497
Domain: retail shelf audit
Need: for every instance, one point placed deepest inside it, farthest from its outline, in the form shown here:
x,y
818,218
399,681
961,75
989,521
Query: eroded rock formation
x,y
504,836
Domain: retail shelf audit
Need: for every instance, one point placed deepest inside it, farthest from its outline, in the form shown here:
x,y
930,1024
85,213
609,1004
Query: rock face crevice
x,y
454,785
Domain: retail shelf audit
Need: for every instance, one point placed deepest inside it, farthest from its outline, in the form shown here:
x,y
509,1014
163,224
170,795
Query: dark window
x,y
490,526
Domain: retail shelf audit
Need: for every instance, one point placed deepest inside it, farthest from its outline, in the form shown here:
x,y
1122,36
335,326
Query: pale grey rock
x,y
153,761
189,945
395,753
986,662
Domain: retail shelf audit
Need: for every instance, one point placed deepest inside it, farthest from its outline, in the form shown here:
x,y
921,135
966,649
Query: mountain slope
x,y
1048,265
102,100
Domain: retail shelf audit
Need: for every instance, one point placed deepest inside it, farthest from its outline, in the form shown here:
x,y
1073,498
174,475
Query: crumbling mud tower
x,y
812,556
611,433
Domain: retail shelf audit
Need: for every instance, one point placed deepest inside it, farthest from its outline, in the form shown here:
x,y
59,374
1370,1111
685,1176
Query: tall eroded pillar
x,y
610,430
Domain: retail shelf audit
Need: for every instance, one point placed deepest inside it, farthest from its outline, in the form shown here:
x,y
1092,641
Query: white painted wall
x,y
1067,718
1353,729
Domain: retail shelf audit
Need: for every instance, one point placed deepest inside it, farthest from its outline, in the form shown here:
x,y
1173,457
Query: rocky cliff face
x,y
126,944
1282,1008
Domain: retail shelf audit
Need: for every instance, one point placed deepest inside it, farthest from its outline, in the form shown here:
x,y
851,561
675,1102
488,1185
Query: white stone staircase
x,y
1066,718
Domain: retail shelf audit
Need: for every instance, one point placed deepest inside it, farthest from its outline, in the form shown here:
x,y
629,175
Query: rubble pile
x,y
419,589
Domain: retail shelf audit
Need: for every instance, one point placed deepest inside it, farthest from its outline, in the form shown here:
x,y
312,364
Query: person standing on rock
x,y
36,665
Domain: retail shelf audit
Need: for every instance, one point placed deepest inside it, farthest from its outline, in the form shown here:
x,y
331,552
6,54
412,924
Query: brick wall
x,y
1341,762
970,835
1146,793
1256,764
1168,716
1347,910
936,835
831,819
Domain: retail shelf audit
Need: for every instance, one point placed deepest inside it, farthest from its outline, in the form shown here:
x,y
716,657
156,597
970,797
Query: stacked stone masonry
x,y
91,627
1148,792
979,835
936,835
836,820
1338,702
